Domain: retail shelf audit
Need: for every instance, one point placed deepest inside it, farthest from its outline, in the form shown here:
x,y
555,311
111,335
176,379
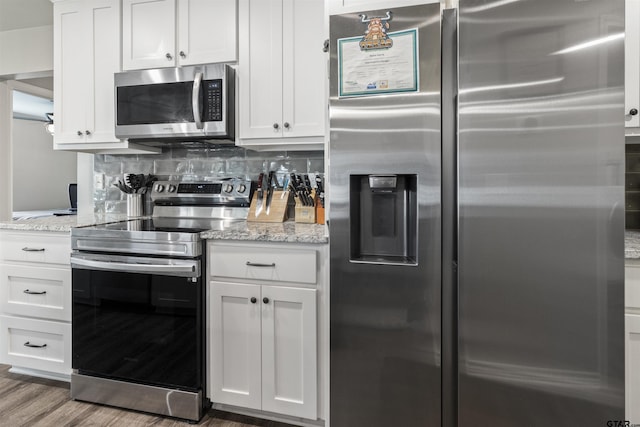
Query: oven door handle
x,y
187,269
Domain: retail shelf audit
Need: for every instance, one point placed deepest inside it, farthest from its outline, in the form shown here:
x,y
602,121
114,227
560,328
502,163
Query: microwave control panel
x,y
213,100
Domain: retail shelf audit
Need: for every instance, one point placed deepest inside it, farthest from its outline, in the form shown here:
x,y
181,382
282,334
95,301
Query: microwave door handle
x,y
195,98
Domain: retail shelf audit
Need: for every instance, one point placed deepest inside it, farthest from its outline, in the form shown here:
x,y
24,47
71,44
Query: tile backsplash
x,y
193,164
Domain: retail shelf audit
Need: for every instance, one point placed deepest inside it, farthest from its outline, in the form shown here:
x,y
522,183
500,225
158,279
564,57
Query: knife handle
x,y
319,185
307,181
260,178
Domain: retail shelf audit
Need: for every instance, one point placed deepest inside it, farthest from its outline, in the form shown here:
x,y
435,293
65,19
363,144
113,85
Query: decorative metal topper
x,y
376,35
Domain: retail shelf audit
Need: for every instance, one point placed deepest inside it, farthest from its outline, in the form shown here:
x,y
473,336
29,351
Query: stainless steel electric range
x,y
138,311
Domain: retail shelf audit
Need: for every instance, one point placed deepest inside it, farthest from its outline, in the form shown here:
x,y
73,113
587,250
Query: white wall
x,y
5,151
23,53
40,175
26,51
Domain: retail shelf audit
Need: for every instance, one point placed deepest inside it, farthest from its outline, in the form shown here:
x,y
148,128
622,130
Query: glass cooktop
x,y
169,225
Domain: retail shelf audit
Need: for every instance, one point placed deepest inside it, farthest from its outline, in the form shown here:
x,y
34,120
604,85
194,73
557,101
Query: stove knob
x,y
228,188
242,188
159,188
171,188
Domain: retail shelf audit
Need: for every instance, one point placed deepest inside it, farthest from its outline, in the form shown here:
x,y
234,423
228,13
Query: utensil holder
x,y
134,204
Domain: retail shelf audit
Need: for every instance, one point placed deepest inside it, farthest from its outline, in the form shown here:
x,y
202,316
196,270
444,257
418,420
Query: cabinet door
x,y
104,58
148,34
234,376
71,78
632,63
304,68
632,404
260,68
207,31
289,358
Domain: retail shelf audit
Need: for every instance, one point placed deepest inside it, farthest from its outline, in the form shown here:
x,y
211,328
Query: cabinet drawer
x,y
36,292
36,344
632,285
35,247
263,263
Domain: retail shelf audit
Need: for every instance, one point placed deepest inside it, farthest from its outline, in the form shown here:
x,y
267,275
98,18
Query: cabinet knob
x,y
182,54
276,126
79,133
265,300
633,112
254,300
169,56
86,132
286,125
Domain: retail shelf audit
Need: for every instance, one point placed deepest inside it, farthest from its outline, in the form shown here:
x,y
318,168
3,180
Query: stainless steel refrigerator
x,y
476,169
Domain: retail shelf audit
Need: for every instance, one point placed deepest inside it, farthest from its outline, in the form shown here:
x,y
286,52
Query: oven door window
x,y
138,327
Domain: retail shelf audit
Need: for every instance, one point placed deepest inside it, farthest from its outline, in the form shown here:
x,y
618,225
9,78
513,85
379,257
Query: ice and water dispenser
x,y
383,219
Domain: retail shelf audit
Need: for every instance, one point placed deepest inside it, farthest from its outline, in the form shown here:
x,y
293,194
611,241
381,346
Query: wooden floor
x,y
36,402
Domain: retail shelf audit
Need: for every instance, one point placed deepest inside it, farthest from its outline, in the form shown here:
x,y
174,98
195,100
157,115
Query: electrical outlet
x,y
98,181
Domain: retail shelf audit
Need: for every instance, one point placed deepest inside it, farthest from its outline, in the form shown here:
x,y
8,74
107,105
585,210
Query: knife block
x,y
319,212
306,214
277,210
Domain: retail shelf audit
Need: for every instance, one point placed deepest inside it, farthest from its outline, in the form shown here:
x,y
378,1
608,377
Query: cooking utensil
x,y
140,183
123,187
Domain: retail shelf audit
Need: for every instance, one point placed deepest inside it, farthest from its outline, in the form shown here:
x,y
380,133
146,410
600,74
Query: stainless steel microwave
x,y
186,103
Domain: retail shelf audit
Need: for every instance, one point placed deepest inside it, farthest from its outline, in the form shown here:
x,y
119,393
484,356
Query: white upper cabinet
x,y
207,31
632,67
86,55
170,33
148,34
282,72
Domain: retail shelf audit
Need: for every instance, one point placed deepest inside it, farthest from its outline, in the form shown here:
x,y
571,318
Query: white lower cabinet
x,y
36,344
266,329
632,362
35,301
263,348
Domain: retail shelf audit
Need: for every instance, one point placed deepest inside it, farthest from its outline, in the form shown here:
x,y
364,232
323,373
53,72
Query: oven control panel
x,y
231,190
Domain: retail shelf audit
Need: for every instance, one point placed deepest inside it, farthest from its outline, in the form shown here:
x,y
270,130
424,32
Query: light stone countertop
x,y
63,223
290,231
632,244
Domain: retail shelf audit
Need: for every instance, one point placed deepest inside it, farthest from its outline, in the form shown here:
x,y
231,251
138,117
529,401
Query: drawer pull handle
x,y
27,344
257,264
27,249
27,291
